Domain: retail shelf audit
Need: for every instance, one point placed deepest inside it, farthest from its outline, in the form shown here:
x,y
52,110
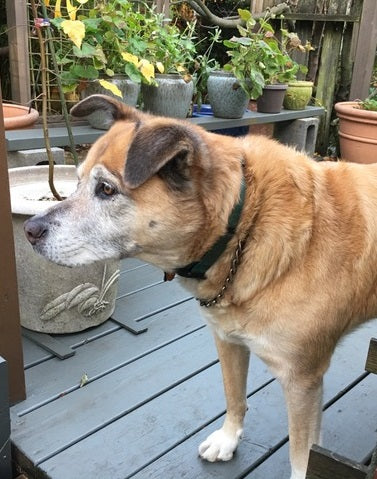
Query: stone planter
x,y
53,298
130,90
271,100
225,95
18,116
172,97
298,95
357,132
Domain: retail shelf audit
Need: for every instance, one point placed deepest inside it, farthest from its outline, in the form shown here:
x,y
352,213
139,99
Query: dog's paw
x,y
219,446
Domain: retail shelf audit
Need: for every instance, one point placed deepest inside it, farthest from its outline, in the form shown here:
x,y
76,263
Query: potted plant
x,y
102,52
173,52
358,129
261,62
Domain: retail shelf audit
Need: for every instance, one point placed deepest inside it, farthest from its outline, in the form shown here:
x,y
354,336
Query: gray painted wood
x,y
5,453
160,423
324,464
84,134
48,380
49,343
265,424
135,280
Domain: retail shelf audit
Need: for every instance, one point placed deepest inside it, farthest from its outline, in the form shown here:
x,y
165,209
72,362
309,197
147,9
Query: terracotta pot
x,y
271,100
298,95
357,132
18,116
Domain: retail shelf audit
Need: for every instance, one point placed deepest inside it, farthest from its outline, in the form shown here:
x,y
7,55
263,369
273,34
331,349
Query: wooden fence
x,y
344,35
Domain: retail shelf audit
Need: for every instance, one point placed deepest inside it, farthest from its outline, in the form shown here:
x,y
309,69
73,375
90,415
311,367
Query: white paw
x,y
219,446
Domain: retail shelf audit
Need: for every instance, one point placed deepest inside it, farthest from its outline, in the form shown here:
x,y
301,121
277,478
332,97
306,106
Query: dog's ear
x,y
102,111
168,150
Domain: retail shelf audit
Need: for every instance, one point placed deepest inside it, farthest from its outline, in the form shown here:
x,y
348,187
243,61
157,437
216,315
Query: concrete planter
x,y
357,132
55,299
172,97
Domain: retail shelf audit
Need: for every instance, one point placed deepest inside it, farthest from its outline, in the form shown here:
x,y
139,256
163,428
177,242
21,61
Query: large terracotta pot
x,y
18,116
357,132
53,298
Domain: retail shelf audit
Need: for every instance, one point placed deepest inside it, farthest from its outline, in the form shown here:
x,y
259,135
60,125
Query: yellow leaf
x,y
82,1
128,57
160,67
180,68
58,9
109,86
147,70
75,31
47,3
71,10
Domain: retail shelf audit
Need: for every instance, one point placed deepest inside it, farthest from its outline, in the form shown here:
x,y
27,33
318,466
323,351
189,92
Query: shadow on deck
x,y
152,398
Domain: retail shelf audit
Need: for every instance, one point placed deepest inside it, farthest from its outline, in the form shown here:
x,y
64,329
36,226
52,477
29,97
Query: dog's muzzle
x,y
35,229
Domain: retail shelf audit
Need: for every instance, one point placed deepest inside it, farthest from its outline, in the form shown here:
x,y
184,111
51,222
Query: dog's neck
x,y
198,269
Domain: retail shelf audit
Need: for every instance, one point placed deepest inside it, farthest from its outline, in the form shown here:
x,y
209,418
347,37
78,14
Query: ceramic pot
x,y
357,132
172,97
225,95
53,298
18,116
271,100
130,90
298,95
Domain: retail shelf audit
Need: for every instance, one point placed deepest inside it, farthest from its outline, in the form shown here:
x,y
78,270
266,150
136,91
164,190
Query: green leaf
x,y
245,15
132,72
84,72
86,51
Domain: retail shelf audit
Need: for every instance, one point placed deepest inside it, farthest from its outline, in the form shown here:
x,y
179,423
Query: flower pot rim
x,y
346,109
276,86
24,116
223,73
20,177
300,83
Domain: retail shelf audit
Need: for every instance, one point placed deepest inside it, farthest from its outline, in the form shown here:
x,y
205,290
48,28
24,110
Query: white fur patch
x,y
219,446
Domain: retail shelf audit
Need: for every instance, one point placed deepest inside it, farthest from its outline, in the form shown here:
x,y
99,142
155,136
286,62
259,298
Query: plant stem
x,y
61,93
44,106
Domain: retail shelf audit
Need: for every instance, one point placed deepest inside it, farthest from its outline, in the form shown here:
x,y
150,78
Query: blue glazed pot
x,y
130,90
227,98
172,97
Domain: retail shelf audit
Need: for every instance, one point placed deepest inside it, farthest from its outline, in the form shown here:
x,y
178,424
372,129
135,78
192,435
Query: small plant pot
x,y
18,116
298,95
227,98
172,97
130,90
271,100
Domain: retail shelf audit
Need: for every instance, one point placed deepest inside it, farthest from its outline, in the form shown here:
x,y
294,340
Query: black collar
x,y
199,268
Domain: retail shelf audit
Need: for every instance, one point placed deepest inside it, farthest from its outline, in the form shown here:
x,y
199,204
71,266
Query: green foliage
x,y
257,57
370,103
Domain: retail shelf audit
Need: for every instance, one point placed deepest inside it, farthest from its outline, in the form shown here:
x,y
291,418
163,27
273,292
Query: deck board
x,y
152,398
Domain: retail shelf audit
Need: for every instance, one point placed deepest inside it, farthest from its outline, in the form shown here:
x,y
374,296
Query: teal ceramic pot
x,y
172,97
225,95
130,90
271,100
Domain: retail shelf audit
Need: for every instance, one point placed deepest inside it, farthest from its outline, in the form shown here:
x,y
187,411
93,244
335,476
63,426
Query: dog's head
x,y
146,188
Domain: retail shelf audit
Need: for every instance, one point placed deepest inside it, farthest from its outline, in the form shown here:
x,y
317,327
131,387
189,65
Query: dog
x,y
280,250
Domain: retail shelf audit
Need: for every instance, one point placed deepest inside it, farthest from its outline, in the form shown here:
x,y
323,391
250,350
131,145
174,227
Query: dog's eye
x,y
105,189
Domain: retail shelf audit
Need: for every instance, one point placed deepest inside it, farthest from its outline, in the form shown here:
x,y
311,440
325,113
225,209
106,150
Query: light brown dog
x,y
296,271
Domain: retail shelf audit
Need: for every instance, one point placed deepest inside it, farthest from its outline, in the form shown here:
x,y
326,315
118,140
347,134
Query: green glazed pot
x,y
298,95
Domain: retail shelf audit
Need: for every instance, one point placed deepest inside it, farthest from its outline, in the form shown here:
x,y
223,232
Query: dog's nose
x,y
35,229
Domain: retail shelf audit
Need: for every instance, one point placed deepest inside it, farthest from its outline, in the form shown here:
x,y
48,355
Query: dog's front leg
x,y
234,360
304,404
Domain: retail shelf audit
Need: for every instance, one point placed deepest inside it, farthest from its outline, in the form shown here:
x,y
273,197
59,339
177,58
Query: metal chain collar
x,y
233,270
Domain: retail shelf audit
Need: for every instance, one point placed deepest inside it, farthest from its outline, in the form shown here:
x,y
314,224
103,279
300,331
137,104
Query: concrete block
x,y
301,133
34,157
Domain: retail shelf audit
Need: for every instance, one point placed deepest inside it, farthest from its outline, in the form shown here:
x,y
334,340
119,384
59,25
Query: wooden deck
x,y
152,398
